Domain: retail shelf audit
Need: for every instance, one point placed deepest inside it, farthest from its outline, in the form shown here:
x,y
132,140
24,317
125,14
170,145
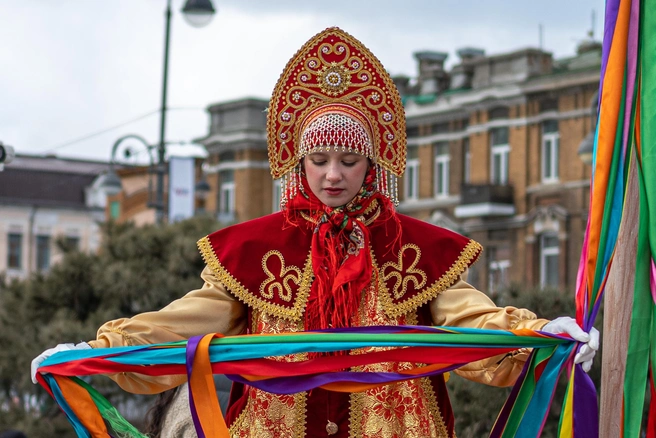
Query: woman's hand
x,y
586,354
36,363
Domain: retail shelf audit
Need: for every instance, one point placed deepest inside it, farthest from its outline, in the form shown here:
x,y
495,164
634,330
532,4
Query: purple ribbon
x,y
612,8
192,346
292,385
586,413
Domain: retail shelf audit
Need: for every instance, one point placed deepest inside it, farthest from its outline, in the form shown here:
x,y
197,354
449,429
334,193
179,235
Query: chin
x,y
334,202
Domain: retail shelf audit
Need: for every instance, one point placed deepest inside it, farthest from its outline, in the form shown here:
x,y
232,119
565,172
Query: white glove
x,y
586,354
36,363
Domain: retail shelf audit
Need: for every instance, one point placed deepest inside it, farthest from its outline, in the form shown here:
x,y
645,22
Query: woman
x,y
337,255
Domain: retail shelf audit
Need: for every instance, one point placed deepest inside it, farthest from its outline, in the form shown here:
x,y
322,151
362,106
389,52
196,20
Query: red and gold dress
x,y
258,280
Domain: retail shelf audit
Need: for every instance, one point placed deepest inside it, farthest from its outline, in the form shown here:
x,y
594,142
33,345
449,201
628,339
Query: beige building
x,y
493,152
237,167
45,198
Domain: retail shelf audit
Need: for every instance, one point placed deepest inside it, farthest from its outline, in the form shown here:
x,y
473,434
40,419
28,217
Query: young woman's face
x,y
335,177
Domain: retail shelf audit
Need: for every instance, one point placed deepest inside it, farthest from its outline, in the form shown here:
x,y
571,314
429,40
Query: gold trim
x,y
247,297
355,414
459,266
237,425
127,339
300,406
436,414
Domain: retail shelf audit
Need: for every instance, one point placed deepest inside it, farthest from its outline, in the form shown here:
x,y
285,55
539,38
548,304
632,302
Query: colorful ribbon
x,y
433,350
625,127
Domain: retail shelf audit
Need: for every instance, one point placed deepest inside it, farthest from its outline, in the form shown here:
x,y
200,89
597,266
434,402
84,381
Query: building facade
x,y
237,167
493,153
43,199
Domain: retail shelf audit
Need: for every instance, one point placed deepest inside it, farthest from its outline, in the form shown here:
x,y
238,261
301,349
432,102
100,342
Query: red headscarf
x,y
341,257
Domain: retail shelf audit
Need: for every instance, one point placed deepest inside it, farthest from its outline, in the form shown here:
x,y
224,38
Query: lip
x,y
333,191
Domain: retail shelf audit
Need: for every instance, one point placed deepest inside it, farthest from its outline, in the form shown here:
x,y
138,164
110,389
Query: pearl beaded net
x,y
338,132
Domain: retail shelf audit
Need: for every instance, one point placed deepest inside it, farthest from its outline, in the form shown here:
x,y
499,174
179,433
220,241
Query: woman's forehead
x,y
335,153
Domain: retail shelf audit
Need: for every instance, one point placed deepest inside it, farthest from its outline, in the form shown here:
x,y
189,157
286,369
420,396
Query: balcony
x,y
485,200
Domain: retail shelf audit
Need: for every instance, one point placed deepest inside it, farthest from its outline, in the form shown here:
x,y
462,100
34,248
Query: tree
x,y
135,270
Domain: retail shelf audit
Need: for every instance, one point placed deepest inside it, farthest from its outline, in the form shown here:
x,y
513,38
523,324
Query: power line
x,y
105,130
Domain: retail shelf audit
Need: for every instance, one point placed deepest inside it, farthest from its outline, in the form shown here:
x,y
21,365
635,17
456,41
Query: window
x,y
226,156
411,178
73,242
550,148
500,112
549,253
412,131
466,161
42,252
498,269
440,128
115,209
500,156
277,195
226,195
442,159
548,104
14,250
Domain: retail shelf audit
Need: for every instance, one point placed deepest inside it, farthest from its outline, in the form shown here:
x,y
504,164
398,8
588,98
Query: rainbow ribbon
x,y
246,359
625,128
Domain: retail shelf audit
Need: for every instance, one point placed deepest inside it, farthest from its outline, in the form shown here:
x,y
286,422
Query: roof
x,y
55,164
48,181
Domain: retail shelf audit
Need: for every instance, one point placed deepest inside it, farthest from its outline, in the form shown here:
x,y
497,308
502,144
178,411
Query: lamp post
x,y
112,183
198,13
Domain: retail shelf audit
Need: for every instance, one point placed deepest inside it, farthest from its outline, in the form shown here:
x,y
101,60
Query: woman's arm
x,y
210,309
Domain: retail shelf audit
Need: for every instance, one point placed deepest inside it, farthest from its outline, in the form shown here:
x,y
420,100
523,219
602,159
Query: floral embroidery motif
x,y
280,284
268,415
404,409
404,276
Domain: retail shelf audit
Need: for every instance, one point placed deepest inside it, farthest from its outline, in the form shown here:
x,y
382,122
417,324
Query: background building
x,y
237,168
493,153
41,199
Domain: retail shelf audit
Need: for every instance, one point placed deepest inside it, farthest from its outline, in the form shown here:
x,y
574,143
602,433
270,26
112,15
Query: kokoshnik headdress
x,y
334,93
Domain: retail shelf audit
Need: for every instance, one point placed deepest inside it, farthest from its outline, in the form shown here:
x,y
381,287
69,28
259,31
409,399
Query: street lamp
x,y
111,183
198,13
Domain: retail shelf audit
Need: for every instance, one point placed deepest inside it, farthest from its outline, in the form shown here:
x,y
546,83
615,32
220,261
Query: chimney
x,y
462,74
432,76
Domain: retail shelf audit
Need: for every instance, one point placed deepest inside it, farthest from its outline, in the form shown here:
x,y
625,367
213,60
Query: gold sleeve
x,y
210,309
464,306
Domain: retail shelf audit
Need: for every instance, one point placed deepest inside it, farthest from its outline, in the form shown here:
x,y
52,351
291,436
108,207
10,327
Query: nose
x,y
333,174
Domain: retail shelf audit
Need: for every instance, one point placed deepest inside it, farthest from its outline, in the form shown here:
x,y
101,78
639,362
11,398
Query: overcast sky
x,y
72,68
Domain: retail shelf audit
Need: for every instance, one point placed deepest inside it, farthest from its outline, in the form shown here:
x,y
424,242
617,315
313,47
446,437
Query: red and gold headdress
x,y
334,93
